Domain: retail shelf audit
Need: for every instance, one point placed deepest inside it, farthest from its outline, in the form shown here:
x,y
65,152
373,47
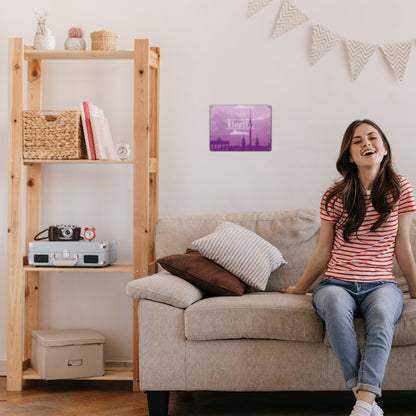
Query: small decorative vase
x,y
44,41
43,37
75,44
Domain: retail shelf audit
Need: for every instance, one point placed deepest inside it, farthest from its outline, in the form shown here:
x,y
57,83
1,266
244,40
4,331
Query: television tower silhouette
x,y
250,124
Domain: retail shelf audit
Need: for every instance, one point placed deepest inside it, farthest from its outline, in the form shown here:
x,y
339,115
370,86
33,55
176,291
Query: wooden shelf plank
x,y
85,161
111,373
112,269
64,54
37,54
153,162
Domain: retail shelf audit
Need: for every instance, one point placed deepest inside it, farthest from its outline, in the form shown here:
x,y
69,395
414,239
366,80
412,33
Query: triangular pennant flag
x,y
323,40
255,5
397,55
289,17
359,54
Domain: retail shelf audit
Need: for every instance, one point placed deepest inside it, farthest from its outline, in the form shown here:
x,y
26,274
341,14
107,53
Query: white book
x,y
109,149
104,146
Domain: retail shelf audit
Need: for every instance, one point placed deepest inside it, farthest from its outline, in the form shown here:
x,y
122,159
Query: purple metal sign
x,y
240,128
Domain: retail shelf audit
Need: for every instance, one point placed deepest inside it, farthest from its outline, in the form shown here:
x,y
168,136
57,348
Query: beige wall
x,y
211,54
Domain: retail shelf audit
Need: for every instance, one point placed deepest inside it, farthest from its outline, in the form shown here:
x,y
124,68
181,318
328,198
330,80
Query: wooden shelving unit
x,y
23,280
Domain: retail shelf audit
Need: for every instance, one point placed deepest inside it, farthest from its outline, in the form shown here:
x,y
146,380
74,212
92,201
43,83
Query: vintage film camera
x,y
64,232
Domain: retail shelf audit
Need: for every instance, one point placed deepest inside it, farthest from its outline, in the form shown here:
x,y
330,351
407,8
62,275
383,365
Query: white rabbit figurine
x,y
43,37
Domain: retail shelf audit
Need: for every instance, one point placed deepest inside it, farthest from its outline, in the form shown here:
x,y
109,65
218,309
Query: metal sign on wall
x,y
240,128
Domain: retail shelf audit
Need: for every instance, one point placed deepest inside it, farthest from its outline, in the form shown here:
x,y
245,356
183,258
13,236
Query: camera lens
x,y
67,232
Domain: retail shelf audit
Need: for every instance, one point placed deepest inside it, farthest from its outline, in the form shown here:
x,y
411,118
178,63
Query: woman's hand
x,y
293,290
318,261
404,252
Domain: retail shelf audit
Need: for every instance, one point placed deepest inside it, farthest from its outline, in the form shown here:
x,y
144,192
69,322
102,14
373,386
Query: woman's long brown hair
x,y
384,194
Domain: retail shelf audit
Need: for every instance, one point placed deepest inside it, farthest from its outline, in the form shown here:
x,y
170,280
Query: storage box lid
x,y
63,337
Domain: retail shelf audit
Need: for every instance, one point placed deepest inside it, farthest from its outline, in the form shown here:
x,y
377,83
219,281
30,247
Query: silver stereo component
x,y
72,253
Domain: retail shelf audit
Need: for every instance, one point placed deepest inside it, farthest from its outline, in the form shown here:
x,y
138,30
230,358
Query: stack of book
x,y
97,132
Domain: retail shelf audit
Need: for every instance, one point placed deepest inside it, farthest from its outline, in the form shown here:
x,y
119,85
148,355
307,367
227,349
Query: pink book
x,y
84,129
89,130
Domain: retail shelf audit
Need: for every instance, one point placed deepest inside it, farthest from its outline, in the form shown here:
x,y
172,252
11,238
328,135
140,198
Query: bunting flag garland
x,y
289,17
397,55
359,54
323,40
255,5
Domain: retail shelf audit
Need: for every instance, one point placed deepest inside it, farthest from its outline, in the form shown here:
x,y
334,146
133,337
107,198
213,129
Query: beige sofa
x,y
265,341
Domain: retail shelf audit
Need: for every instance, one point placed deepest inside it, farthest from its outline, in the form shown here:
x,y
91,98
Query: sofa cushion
x,y
295,232
255,315
242,252
203,273
404,331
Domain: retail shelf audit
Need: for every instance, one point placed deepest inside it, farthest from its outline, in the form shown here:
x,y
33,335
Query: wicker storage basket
x,y
53,136
103,41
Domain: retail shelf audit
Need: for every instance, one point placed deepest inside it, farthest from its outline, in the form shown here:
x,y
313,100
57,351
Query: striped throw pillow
x,y
242,252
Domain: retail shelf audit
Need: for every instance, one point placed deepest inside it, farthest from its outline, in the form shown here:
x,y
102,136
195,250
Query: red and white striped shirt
x,y
369,254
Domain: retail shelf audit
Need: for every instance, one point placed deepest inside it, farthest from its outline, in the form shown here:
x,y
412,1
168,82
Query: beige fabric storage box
x,y
60,354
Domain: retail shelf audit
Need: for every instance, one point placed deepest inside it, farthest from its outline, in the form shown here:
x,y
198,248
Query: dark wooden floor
x,y
105,398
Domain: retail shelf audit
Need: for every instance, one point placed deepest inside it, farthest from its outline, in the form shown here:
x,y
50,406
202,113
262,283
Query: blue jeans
x,y
380,303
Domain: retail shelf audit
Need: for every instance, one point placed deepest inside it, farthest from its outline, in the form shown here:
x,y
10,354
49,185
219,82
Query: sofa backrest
x,y
294,232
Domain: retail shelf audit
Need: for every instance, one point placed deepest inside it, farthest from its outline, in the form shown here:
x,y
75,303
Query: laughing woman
x,y
365,220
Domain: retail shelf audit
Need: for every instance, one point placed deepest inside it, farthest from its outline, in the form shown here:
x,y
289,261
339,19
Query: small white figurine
x,y
43,37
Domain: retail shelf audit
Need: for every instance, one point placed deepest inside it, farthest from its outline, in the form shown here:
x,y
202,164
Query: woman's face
x,y
367,147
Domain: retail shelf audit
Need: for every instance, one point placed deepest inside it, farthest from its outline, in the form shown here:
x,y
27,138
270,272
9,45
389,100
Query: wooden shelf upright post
x,y
146,174
23,313
15,219
33,195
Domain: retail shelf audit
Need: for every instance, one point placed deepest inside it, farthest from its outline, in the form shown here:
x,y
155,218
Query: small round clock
x,y
123,151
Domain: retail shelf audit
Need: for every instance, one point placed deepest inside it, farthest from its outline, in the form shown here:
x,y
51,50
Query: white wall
x,y
211,54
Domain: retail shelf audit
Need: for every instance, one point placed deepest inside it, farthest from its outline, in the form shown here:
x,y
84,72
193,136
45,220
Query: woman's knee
x,y
334,301
384,306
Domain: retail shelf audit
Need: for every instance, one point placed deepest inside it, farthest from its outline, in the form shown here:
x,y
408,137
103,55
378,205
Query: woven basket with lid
x,y
103,41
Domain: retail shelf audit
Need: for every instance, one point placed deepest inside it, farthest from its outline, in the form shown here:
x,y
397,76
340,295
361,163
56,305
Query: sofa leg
x,y
158,403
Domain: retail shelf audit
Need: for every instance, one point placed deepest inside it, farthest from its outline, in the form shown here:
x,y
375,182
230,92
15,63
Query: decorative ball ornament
x,y
123,151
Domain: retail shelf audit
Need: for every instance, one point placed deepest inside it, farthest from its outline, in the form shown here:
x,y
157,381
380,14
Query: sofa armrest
x,y
162,347
166,288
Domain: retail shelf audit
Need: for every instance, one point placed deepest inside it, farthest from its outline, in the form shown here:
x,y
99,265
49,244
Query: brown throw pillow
x,y
203,273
